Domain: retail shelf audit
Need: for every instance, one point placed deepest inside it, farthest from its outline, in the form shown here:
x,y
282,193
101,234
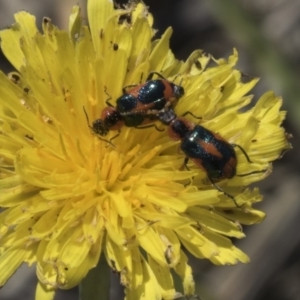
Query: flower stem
x,y
96,285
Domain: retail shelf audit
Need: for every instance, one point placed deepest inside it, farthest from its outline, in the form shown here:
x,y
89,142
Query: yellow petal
x,y
185,272
75,23
98,13
44,292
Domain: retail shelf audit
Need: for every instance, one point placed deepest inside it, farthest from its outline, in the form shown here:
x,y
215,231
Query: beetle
x,y
137,106
139,103
208,150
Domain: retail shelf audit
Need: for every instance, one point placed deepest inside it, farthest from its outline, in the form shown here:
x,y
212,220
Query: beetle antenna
x,y
87,118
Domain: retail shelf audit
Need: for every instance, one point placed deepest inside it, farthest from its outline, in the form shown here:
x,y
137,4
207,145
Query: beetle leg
x,y
148,126
150,76
226,194
249,160
115,136
126,87
244,152
185,162
189,113
253,172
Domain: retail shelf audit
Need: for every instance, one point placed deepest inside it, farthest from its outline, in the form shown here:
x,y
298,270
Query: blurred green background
x,y
267,35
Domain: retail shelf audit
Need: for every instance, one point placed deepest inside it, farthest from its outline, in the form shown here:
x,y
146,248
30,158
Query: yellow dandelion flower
x,y
69,196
